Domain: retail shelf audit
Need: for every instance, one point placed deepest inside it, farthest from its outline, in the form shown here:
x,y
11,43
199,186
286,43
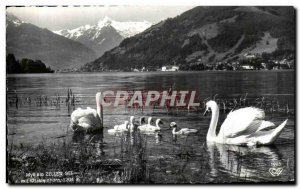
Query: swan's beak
x,y
204,114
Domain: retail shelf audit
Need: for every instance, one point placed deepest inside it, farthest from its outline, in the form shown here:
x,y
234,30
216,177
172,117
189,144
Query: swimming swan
x,y
151,128
183,131
242,127
141,127
89,119
118,129
122,127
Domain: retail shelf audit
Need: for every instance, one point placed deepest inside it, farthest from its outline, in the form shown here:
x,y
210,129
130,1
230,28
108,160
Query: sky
x,y
56,18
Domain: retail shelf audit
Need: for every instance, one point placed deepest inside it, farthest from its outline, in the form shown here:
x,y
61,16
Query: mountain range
x,y
104,35
67,49
26,40
205,35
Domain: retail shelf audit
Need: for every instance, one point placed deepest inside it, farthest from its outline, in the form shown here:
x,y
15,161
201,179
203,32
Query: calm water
x,y
185,159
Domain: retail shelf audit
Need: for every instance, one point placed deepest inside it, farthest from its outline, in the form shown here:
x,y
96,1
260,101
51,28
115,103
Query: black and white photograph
x,y
146,94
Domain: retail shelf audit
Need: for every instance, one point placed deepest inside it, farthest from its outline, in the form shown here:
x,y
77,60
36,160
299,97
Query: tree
x,y
26,66
12,65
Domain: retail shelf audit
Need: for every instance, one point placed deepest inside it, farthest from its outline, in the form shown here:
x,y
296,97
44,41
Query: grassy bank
x,y
83,162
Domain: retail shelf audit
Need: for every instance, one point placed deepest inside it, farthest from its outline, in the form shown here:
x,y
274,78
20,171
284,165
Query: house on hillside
x,y
249,55
170,68
247,67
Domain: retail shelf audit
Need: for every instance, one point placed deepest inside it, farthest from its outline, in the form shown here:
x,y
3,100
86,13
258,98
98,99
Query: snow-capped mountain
x,y
125,29
104,35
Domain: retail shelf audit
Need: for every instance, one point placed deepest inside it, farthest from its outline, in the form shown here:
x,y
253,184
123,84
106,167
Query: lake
x,y
182,159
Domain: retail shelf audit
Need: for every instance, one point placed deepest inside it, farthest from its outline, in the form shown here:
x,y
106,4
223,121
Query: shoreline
x,y
212,71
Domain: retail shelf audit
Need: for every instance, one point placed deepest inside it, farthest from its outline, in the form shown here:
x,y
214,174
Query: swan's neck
x,y
131,126
174,130
99,106
211,134
157,125
131,121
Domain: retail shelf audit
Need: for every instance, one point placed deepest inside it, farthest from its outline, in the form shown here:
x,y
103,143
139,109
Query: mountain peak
x,y
26,40
125,29
106,21
105,34
13,19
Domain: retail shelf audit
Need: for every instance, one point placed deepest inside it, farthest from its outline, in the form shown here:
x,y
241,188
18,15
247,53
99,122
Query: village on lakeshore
x,y
247,62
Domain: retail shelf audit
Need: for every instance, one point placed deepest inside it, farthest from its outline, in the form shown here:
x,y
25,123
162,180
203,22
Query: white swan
x,y
89,119
126,126
122,127
151,128
145,125
119,129
183,131
242,127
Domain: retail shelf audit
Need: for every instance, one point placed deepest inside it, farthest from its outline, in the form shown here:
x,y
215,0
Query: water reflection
x,y
157,136
133,136
94,140
242,162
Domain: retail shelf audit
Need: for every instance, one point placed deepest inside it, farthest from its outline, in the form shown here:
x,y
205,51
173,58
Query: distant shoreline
x,y
168,72
182,71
